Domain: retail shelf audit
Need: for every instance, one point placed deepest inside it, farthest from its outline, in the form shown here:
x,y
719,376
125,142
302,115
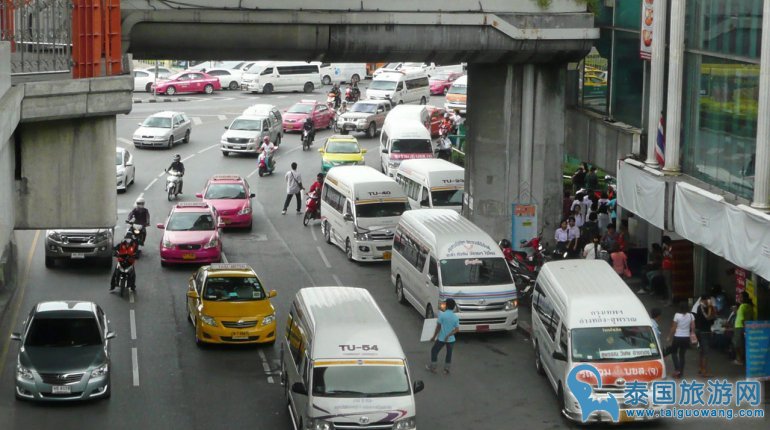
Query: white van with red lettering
x,y
403,140
584,317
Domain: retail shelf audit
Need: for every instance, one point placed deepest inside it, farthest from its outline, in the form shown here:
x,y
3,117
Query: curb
x,y
163,100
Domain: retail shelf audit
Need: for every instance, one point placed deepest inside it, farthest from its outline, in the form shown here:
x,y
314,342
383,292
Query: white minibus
x,y
587,325
342,365
360,208
268,77
342,72
437,255
400,86
432,183
403,140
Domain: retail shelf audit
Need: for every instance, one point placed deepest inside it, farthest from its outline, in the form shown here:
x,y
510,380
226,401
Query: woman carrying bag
x,y
681,336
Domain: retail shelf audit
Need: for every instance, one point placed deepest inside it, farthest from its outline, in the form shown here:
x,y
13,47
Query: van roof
x,y
462,80
360,173
453,235
439,173
594,295
365,184
349,316
407,128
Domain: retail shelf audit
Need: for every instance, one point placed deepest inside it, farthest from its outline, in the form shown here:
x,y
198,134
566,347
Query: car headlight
x,y
55,236
105,235
208,320
137,136
245,210
167,243
393,164
361,121
100,371
212,242
319,424
362,236
406,424
223,140
253,140
268,319
511,305
23,373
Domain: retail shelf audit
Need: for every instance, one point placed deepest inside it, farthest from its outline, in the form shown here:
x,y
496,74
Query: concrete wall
x,y
10,99
599,142
493,160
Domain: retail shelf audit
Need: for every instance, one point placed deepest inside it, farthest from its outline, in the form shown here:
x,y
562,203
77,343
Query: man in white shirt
x,y
293,188
574,238
267,148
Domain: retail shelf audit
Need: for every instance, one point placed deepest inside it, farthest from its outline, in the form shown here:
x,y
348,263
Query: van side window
x,y
555,320
334,198
545,312
563,339
267,71
400,86
422,254
384,139
425,195
296,340
433,270
410,251
398,245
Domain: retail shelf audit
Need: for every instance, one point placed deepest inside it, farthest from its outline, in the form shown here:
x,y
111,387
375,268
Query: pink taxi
x,y
230,196
191,235
294,117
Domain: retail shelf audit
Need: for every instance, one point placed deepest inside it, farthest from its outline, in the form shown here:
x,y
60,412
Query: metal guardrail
x,y
40,33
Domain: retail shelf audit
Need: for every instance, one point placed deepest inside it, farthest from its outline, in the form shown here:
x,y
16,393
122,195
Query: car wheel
x,y
225,153
267,89
327,80
250,226
348,250
308,88
429,312
50,262
148,87
186,137
163,263
561,399
400,291
327,232
170,143
423,100
208,89
446,90
538,361
355,79
372,130
170,91
401,102
233,86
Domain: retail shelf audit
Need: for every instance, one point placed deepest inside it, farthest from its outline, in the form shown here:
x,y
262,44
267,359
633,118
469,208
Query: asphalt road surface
x,y
161,380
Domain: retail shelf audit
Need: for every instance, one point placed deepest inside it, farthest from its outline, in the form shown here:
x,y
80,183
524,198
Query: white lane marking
x,y
124,140
337,280
216,145
221,117
141,195
131,297
135,366
252,173
224,257
188,157
266,366
312,231
323,257
151,184
227,99
280,97
132,322
259,237
160,175
197,120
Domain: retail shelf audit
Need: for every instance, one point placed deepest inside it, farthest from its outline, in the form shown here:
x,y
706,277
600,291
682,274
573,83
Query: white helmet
x,y
139,201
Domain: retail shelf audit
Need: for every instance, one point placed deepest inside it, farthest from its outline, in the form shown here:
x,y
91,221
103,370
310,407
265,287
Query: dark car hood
x,y
62,360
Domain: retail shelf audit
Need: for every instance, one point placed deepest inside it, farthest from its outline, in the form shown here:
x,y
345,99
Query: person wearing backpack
x,y
603,211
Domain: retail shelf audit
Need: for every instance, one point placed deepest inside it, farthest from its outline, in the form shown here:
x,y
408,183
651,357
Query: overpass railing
x,y
40,34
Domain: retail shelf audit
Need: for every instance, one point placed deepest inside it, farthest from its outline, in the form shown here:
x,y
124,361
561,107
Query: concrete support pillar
x,y
762,156
497,162
657,68
675,76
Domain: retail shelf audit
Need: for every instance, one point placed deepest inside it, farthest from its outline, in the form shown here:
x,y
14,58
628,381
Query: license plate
x,y
188,256
349,127
227,221
482,327
386,255
77,255
238,147
61,389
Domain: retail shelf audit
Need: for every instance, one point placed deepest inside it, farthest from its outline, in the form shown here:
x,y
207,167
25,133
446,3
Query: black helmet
x,y
177,157
505,243
320,176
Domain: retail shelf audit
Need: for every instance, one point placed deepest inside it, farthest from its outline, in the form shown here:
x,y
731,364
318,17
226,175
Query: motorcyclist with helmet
x,y
505,246
310,128
125,251
337,95
140,215
315,193
179,167
268,148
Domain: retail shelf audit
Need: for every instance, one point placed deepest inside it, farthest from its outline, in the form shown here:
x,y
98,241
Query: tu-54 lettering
x,y
359,347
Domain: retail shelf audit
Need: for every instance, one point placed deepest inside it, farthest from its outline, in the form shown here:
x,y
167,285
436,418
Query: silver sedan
x,y
163,130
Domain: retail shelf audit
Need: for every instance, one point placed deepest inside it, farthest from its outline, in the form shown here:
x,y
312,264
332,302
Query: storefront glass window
x,y
628,14
720,122
730,27
627,79
593,87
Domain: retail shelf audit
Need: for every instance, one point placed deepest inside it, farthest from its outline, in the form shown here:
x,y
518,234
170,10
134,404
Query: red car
x,y
440,82
191,235
295,116
230,196
436,115
188,82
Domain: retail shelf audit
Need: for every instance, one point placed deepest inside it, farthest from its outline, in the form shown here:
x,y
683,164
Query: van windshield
x,y
458,89
410,146
383,85
614,344
380,210
360,381
447,198
462,272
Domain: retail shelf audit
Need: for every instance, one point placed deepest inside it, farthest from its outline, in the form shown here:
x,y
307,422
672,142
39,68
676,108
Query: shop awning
x,y
642,193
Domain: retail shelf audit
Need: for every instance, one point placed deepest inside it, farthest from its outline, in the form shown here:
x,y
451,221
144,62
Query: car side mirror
x,y
384,150
252,195
265,129
299,388
139,124
348,217
16,336
363,151
424,203
192,294
160,226
130,163
558,355
198,195
220,224
272,293
110,335
227,127
418,386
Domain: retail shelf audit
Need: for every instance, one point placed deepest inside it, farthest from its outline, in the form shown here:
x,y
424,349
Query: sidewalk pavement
x,y
719,364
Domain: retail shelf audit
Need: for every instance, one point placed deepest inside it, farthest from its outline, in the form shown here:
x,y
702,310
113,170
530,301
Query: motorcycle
x,y
265,168
524,278
172,183
351,96
537,258
138,234
125,267
312,208
306,140
331,101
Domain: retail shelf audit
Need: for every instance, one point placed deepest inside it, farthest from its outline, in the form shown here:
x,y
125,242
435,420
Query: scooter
x,y
312,208
138,234
263,167
125,268
172,184
351,96
306,141
524,279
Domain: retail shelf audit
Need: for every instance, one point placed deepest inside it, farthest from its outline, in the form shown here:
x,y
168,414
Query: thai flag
x,y
660,147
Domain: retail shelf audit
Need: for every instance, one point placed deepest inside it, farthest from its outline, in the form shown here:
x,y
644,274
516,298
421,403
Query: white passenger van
x,y
342,72
342,364
400,86
360,208
403,140
432,183
401,113
437,255
268,77
584,314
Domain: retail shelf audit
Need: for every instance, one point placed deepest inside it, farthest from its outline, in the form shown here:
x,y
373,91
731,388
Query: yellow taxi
x,y
341,150
227,303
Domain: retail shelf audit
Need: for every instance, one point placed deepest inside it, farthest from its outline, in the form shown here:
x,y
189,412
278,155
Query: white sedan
x,y
124,168
228,78
144,78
